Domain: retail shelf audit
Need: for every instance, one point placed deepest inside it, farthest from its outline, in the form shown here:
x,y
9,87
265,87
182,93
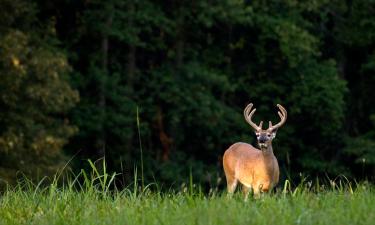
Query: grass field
x,y
90,198
95,204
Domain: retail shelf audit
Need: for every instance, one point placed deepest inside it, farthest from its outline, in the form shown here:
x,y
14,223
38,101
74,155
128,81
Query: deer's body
x,y
255,169
251,167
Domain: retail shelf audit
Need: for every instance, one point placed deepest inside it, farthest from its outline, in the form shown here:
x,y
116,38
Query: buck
x,y
255,169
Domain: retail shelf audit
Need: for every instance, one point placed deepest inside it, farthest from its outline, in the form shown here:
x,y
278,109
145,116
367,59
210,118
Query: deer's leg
x,y
258,190
257,193
231,184
246,191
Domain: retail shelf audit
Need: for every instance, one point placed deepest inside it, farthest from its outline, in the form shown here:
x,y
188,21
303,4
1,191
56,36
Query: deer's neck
x,y
268,153
269,160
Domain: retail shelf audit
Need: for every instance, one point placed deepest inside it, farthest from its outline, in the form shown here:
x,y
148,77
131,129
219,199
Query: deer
x,y
256,169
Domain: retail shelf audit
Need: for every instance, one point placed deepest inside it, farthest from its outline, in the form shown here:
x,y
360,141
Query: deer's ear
x,y
273,133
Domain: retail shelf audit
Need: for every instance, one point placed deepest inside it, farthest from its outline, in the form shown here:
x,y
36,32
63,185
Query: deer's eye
x,y
268,135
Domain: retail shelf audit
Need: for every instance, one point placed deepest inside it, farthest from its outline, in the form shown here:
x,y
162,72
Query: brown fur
x,y
251,167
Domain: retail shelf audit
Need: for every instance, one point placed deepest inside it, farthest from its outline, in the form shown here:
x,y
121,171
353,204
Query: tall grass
x,y
140,148
90,198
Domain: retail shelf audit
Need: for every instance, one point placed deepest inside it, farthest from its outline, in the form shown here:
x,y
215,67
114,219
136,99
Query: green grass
x,y
94,205
89,198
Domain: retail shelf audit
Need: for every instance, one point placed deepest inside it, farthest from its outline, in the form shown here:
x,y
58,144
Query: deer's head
x,y
264,137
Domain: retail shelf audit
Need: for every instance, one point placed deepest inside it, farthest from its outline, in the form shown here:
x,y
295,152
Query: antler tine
x,y
283,115
249,114
260,124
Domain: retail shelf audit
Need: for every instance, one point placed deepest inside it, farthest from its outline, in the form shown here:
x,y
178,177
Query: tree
x,y
34,95
190,67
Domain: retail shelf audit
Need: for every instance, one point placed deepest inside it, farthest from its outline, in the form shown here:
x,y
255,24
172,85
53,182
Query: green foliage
x,y
34,97
362,149
190,68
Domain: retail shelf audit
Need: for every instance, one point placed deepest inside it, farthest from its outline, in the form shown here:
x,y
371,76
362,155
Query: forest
x,y
159,87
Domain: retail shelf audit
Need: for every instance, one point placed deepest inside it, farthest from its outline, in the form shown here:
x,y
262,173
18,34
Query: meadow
x,y
93,201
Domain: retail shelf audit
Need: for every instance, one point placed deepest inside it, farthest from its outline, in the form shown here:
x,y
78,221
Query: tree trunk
x,y
165,140
102,89
131,55
131,67
180,51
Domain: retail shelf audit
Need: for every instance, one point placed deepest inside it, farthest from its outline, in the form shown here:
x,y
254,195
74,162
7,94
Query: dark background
x,y
74,73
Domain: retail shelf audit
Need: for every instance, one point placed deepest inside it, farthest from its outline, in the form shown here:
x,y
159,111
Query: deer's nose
x,y
262,139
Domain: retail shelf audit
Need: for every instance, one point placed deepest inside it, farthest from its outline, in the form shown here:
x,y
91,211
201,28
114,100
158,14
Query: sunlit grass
x,y
87,199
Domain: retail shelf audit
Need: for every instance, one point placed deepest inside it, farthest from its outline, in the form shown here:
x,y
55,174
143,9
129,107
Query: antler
x,y
248,113
283,115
